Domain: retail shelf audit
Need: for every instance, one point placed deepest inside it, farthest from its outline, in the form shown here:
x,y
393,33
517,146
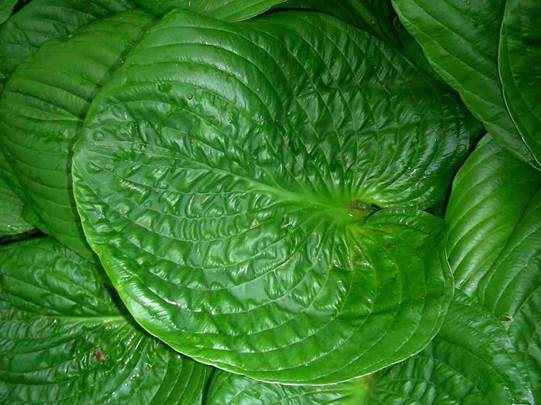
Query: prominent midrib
x,y
343,208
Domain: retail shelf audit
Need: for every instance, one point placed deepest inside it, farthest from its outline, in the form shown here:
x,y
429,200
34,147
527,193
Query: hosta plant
x,y
283,201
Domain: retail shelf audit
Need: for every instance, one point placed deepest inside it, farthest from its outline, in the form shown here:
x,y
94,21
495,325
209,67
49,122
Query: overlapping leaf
x,y
42,110
226,181
471,361
231,389
64,339
6,8
460,39
43,20
520,68
494,217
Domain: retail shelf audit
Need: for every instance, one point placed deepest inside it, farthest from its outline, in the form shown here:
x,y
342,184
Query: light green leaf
x,y
231,389
64,339
42,110
471,361
494,247
460,39
11,206
228,10
226,177
520,68
42,20
6,8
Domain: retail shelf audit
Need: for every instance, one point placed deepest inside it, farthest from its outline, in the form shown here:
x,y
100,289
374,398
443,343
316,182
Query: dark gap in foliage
x,y
34,233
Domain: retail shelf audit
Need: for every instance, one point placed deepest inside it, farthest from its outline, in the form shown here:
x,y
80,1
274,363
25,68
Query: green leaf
x,y
460,39
232,389
6,8
228,10
471,361
226,177
494,247
42,110
520,68
491,194
374,16
42,20
11,206
64,339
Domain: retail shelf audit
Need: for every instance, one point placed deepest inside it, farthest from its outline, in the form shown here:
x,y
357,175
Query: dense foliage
x,y
277,201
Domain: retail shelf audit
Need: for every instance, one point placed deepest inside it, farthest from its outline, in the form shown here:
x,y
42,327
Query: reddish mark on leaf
x,y
100,355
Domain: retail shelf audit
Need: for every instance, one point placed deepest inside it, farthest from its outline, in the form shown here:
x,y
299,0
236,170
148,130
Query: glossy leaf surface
x,y
42,110
520,68
231,389
226,177
43,20
494,246
460,39
64,339
471,361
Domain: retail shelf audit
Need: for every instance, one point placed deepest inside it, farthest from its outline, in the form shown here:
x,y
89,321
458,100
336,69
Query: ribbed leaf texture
x,y
228,177
64,339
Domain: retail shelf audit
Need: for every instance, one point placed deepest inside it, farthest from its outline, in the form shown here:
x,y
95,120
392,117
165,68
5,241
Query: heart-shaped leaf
x,y
228,176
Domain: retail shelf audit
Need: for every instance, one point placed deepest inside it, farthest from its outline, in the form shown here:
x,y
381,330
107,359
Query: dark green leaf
x,y
63,339
42,20
228,10
6,8
520,68
460,39
227,180
42,110
11,206
494,245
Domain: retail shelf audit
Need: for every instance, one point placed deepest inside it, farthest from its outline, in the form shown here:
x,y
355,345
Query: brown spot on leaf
x,y
100,355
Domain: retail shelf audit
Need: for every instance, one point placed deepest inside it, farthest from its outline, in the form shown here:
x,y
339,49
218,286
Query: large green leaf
x,y
460,39
11,205
42,110
494,248
42,20
64,339
229,10
6,8
226,177
471,361
520,68
232,389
